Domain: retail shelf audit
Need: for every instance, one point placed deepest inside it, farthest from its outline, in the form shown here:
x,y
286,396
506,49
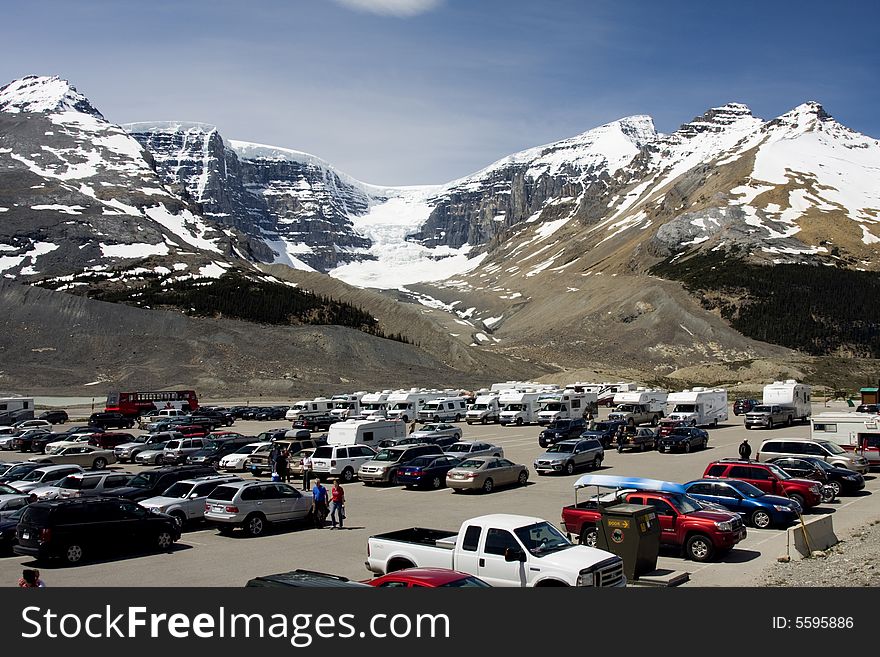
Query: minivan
x,y
826,450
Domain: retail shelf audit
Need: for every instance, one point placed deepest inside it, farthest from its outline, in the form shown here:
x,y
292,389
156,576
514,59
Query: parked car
x,y
253,505
258,461
433,578
10,502
223,418
272,413
18,471
743,406
32,424
43,475
843,480
129,451
667,425
111,421
24,441
428,432
467,449
71,529
191,430
213,451
152,454
176,451
221,436
6,489
387,462
562,430
341,461
567,456
303,579
184,500
638,439
88,456
769,478
8,525
830,452
315,422
683,439
235,461
873,409
150,483
110,439
426,471
485,473
85,484
294,461
54,417
757,507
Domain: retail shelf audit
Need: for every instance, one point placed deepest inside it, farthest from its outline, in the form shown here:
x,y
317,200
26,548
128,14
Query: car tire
x,y
254,525
488,485
483,420
99,463
687,447
542,443
589,536
799,499
436,418
523,478
348,475
73,554
789,421
519,421
705,444
164,541
760,519
699,548
597,463
655,421
457,437
436,483
770,424
569,468
457,417
179,517
836,486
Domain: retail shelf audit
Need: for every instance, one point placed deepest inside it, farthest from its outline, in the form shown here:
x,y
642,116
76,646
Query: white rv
x,y
445,409
519,406
15,409
610,390
568,403
365,432
374,404
485,409
698,406
309,408
347,406
406,404
790,393
855,432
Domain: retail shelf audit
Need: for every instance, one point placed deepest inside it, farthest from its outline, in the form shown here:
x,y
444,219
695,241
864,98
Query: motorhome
x,y
444,409
374,404
698,406
519,406
347,406
309,408
486,409
15,409
568,403
790,393
365,432
855,432
406,404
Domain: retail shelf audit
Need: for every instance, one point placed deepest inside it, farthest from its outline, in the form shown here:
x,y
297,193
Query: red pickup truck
x,y
699,532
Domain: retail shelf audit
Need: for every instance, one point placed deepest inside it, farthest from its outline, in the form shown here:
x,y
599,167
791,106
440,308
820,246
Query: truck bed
x,y
421,536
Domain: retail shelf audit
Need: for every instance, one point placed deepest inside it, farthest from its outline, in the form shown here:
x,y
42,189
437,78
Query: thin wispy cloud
x,y
399,8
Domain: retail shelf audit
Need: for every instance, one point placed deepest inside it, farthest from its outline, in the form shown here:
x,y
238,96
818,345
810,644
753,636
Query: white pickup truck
x,y
501,549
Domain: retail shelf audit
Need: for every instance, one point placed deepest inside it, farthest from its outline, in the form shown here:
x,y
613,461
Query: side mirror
x,y
512,554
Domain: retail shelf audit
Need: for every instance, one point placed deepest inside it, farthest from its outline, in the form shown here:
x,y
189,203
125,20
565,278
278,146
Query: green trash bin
x,y
632,532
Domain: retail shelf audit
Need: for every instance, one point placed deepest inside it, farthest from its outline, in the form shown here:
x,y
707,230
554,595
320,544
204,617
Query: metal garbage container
x,y
632,532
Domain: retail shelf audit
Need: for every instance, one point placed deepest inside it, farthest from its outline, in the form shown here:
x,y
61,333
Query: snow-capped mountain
x,y
79,198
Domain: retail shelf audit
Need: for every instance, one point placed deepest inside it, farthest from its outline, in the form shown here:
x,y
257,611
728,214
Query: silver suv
x,y
831,453
85,484
568,455
176,451
185,500
129,451
383,468
253,505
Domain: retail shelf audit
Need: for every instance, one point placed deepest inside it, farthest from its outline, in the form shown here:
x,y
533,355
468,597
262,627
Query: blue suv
x,y
755,506
604,431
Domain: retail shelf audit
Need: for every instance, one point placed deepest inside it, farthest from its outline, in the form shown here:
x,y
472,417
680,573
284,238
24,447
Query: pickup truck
x,y
684,523
767,415
636,414
501,549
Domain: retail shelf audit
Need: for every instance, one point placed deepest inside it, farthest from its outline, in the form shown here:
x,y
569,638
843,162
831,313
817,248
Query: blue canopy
x,y
612,481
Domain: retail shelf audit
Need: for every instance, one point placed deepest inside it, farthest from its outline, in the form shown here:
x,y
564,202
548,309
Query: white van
x,y
364,432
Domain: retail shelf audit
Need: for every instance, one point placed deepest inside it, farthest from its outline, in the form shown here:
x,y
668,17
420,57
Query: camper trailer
x,y
347,406
406,404
855,432
789,393
519,407
569,403
609,390
365,432
485,409
698,406
15,409
374,404
639,406
309,408
444,409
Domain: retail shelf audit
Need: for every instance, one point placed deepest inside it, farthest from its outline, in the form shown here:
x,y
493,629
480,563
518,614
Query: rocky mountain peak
x,y
49,94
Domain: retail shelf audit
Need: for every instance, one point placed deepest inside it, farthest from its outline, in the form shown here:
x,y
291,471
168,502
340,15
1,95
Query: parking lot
x,y
202,557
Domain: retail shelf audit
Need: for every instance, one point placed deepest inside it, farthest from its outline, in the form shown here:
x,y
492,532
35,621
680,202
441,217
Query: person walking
x,y
319,503
337,505
307,471
745,450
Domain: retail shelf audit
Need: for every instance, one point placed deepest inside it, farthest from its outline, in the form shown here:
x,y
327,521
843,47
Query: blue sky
x,y
425,91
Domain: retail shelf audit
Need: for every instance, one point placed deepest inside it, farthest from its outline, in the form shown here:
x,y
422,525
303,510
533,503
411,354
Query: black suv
x,y
272,413
224,418
315,423
111,421
54,417
71,529
216,450
562,430
150,483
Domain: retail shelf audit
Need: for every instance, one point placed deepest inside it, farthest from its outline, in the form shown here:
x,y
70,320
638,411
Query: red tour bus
x,y
138,403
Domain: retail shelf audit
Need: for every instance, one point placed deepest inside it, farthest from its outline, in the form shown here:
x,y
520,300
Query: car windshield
x,y
18,469
542,538
685,504
745,488
761,409
247,449
822,464
459,447
422,461
471,464
178,489
561,448
833,447
388,455
143,480
429,427
466,582
35,475
779,472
